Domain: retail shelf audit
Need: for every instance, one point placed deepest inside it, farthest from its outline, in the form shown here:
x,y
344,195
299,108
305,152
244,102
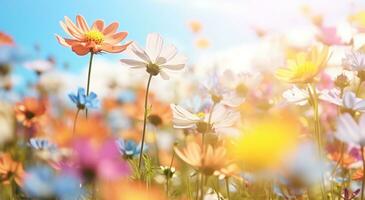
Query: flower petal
x,y
154,46
80,21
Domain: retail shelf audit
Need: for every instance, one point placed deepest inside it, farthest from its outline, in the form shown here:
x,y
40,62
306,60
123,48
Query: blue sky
x,y
226,22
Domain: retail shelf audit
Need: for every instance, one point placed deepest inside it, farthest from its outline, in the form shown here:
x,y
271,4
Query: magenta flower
x,y
99,162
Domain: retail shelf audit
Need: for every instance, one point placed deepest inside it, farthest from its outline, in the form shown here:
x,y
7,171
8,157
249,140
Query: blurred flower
x,y
354,61
6,39
349,101
157,58
329,36
39,66
123,190
195,26
95,39
29,110
267,136
296,95
83,101
206,160
7,123
350,131
11,170
221,120
99,162
129,148
358,19
41,182
202,43
41,144
304,66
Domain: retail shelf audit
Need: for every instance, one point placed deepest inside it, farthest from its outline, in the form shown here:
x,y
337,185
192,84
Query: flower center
x,y
153,69
94,36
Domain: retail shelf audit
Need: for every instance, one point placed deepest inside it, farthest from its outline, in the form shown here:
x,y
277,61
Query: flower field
x,y
103,110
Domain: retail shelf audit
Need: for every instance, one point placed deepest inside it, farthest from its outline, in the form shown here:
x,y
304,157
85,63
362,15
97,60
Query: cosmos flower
x,y
305,66
7,123
29,111
221,120
6,39
350,131
348,102
39,66
129,148
157,57
206,161
354,61
99,162
329,36
83,101
95,39
42,182
11,170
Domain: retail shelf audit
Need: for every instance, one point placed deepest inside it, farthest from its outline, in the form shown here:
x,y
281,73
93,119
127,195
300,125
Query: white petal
x,y
137,51
164,75
154,46
349,100
133,63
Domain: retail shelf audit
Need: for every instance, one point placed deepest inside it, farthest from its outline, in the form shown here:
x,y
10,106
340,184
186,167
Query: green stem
x,y
144,122
363,170
75,121
201,186
167,177
227,188
89,76
358,89
206,131
317,130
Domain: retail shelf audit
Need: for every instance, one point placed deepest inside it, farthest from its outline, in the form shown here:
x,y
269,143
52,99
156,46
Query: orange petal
x,y
70,31
72,26
114,49
116,38
112,28
80,20
99,25
62,41
80,50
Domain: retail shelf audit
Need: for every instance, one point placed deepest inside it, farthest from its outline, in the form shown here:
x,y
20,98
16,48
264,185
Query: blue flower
x,y
41,144
83,101
127,96
129,148
42,182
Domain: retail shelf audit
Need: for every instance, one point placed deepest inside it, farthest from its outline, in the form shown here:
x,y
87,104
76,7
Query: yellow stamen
x,y
94,36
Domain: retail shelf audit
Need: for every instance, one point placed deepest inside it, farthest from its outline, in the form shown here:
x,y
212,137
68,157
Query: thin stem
x,y
317,129
201,186
144,122
75,121
209,121
363,171
89,76
358,89
167,177
227,188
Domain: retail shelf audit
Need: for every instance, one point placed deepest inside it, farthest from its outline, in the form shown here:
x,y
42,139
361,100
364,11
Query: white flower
x,y
157,57
7,122
222,119
349,100
296,96
354,61
39,66
349,131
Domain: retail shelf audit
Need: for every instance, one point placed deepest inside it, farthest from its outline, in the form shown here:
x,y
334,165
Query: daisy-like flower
x,y
83,101
305,66
6,39
348,102
354,61
29,110
157,57
221,120
94,39
128,148
10,170
39,66
350,131
206,161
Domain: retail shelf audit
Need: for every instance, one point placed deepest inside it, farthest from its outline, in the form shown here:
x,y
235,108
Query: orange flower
x,y
6,39
10,170
29,110
95,39
208,161
123,190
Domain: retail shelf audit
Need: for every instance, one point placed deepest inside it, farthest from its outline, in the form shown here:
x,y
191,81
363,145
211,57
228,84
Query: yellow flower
x,y
265,144
304,66
358,19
